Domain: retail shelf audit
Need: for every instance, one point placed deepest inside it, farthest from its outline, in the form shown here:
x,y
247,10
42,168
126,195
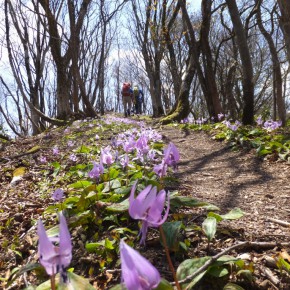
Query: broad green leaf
x,y
194,281
112,184
215,215
122,231
17,272
209,226
235,213
245,274
118,287
52,232
189,266
261,151
75,282
80,184
225,259
109,244
113,173
232,286
91,247
83,149
57,168
119,207
171,231
218,271
164,285
282,264
178,201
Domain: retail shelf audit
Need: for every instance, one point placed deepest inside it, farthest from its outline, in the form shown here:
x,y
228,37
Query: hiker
x,y
127,94
139,99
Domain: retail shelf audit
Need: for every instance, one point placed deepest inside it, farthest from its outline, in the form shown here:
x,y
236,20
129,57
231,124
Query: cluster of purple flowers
x,y
234,126
271,125
55,253
135,144
190,120
268,125
170,158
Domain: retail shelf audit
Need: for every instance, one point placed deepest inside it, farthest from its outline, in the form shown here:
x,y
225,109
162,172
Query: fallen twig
x,y
282,223
234,247
271,276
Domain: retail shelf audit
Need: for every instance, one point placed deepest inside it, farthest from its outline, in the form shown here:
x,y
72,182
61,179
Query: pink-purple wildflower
x,y
148,207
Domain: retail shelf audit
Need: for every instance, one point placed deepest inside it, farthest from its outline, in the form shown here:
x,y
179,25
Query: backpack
x,y
126,90
136,91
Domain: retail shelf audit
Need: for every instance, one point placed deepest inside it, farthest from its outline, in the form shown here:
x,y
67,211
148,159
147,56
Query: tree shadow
x,y
240,175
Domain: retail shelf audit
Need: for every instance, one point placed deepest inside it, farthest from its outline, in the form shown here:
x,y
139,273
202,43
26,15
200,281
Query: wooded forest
x,y
63,60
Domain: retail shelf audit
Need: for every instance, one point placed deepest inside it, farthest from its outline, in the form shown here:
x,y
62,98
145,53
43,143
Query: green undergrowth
x,y
267,144
97,209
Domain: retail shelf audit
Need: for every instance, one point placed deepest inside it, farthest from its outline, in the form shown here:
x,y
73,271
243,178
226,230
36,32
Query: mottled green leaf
x,y
80,184
119,207
209,226
75,282
235,213
172,231
232,286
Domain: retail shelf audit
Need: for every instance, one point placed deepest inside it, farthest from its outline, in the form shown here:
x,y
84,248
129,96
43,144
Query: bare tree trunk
x,y
277,77
208,60
183,108
152,57
284,6
248,84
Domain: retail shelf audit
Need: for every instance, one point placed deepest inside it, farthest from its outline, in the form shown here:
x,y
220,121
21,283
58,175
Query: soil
x,y
208,170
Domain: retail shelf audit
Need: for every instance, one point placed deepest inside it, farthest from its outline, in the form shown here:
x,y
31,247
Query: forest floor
x,y
208,170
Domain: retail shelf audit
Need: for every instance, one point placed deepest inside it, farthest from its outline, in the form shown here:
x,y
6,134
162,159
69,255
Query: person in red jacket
x,y
127,95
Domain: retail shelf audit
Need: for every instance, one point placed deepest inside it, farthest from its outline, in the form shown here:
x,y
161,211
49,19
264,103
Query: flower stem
x,y
52,282
168,257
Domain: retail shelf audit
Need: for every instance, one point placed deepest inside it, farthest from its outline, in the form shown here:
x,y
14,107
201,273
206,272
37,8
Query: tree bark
x,y
213,94
247,81
277,77
182,109
284,6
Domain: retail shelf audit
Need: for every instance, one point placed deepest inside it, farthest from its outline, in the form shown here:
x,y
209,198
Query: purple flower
x,y
97,170
148,207
142,144
97,137
129,145
151,154
106,156
42,159
271,125
70,143
160,169
259,120
124,160
171,155
220,116
137,272
54,258
73,157
58,194
55,150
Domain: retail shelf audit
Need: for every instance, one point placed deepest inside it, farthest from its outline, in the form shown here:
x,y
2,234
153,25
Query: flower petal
x,y
154,216
46,250
137,272
142,202
65,246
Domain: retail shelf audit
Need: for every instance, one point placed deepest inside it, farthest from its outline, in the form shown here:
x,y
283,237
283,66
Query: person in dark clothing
x,y
139,99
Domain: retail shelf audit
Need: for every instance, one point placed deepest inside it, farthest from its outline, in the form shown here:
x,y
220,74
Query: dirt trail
x,y
210,171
